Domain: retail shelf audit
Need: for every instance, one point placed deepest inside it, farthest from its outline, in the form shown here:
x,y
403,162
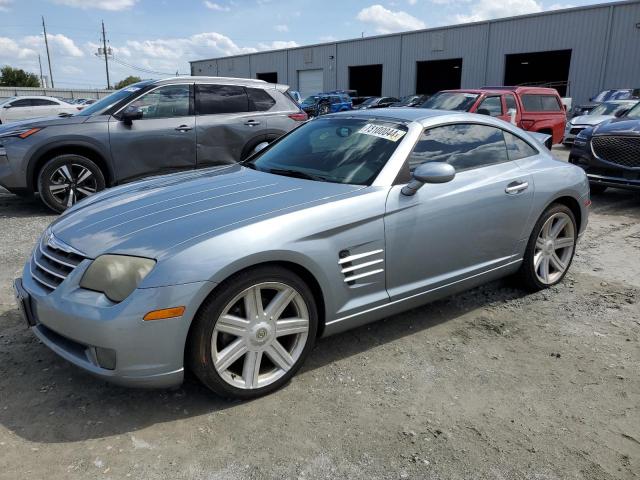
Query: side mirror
x,y
622,113
429,172
130,114
483,111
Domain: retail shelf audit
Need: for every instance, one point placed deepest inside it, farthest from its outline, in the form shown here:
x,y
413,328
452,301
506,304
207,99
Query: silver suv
x,y
151,127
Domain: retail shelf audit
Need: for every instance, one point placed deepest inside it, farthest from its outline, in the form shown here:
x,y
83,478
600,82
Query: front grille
x,y
52,262
624,151
577,130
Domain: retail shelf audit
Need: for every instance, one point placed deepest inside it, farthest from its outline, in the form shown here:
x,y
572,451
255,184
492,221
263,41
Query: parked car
x,y
14,109
358,100
604,111
535,109
411,101
605,96
610,152
323,103
151,127
235,271
376,102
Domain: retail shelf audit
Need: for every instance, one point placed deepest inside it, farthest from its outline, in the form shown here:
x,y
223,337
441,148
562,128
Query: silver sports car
x,y
234,272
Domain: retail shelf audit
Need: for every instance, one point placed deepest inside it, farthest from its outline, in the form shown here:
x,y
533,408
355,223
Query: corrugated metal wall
x,y
483,46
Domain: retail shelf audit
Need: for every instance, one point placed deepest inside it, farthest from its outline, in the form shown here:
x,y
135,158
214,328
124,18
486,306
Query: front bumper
x,y
600,172
80,325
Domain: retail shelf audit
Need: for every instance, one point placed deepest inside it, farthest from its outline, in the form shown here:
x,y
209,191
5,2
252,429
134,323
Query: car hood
x,y
590,119
43,122
618,126
150,217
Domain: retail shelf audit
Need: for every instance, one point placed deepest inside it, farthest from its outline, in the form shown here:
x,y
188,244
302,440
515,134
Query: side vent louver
x,y
360,265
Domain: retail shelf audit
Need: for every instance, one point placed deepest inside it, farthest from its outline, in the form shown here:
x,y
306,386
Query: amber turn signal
x,y
29,132
164,313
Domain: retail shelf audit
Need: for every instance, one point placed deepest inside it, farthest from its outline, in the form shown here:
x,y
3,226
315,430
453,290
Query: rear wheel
x,y
253,333
66,179
550,249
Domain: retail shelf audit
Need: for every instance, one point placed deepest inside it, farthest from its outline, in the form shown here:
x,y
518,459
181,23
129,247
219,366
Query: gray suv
x,y
151,127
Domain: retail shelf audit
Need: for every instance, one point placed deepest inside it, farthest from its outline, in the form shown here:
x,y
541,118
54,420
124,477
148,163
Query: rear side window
x,y
213,99
259,100
541,103
465,146
518,148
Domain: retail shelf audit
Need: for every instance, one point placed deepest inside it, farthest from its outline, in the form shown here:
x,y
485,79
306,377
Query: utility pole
x,y
106,60
41,79
46,43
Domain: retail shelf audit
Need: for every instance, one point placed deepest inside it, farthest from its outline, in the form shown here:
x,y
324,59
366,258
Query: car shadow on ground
x,y
47,400
616,202
17,206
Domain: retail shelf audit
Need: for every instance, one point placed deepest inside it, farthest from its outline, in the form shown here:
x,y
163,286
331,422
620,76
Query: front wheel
x,y
550,249
66,179
253,333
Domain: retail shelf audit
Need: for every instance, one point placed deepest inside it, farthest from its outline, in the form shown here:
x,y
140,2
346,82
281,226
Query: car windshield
x,y
6,100
311,100
608,108
634,112
338,150
371,101
406,100
602,96
110,100
459,101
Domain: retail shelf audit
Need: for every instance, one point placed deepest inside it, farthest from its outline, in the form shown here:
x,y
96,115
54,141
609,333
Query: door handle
x,y
252,123
184,128
516,187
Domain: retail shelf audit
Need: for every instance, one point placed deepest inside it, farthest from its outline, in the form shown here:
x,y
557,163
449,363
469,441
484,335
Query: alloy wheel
x,y
72,182
554,248
260,335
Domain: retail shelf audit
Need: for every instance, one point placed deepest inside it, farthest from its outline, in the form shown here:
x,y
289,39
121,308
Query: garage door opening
x,y
366,80
310,82
539,68
271,77
435,75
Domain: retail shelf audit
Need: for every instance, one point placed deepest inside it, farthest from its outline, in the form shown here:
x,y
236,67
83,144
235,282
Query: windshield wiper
x,y
65,114
297,174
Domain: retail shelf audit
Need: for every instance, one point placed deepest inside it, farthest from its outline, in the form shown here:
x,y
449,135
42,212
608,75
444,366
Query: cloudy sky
x,y
154,38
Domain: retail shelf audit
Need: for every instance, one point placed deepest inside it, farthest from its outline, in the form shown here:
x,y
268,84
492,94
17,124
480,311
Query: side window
x,y
464,145
541,103
24,102
493,105
42,102
510,102
335,100
518,148
165,102
212,99
259,100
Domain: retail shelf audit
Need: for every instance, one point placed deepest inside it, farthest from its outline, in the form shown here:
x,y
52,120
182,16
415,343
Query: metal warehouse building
x,y
581,50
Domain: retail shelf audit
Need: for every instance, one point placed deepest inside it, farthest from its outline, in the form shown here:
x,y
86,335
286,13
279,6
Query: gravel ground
x,y
494,383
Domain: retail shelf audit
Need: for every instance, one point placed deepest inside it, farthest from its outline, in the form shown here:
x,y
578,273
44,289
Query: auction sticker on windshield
x,y
388,133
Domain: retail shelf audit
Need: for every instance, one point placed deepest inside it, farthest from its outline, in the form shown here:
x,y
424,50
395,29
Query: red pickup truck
x,y
535,109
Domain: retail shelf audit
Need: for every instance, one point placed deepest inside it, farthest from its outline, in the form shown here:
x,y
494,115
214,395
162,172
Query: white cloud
x,y
281,28
559,6
112,5
216,6
4,5
12,50
387,21
412,2
488,9
59,44
277,44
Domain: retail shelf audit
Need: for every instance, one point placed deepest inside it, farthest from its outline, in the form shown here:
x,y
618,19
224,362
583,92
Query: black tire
x,y
74,163
199,355
527,274
597,189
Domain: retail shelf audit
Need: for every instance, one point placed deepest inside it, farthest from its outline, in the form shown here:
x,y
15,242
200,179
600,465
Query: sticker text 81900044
x,y
388,133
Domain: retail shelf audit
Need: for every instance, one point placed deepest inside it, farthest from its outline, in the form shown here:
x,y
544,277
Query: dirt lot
x,y
492,384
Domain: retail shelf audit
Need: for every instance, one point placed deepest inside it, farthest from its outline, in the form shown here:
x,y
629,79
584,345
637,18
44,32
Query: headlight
x,y
116,275
567,125
20,132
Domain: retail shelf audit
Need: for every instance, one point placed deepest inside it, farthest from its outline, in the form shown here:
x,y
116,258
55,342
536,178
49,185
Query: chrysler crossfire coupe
x,y
234,272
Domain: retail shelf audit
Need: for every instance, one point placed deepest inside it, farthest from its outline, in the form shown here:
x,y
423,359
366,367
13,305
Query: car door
x,y
162,141
19,109
492,105
225,126
452,231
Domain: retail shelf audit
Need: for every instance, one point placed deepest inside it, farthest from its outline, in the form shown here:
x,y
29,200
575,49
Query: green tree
x,y
16,77
126,81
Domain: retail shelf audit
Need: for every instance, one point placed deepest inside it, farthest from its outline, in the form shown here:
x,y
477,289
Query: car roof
x,y
473,90
525,89
44,97
404,114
